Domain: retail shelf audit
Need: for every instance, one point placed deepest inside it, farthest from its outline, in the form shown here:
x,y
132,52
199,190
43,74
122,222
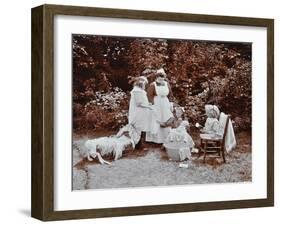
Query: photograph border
x,y
42,169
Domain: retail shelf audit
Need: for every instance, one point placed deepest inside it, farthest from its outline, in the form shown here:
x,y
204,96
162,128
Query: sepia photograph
x,y
140,112
160,112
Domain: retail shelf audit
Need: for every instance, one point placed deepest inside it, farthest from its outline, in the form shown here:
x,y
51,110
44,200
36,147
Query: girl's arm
x,y
142,105
205,128
141,100
168,123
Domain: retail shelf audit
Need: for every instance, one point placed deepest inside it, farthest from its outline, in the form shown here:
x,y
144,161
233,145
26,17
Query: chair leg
x,y
205,152
223,155
199,153
200,149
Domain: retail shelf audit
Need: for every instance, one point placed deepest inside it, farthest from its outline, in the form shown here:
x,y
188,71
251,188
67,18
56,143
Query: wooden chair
x,y
211,144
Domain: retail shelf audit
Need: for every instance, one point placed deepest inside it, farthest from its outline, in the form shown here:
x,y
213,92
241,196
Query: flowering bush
x,y
106,110
199,73
110,101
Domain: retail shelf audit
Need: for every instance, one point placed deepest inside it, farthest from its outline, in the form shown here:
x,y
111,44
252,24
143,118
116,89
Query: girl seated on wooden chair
x,y
212,124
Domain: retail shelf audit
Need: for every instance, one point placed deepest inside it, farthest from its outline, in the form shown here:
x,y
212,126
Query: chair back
x,y
225,127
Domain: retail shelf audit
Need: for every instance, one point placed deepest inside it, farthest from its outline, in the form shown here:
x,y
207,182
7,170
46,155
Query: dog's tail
x,y
81,152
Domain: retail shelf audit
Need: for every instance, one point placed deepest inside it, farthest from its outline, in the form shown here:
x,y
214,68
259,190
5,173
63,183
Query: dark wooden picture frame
x,y
42,203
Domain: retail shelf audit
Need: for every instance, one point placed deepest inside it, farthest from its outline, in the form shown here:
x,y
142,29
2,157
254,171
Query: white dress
x,y
138,116
162,112
212,126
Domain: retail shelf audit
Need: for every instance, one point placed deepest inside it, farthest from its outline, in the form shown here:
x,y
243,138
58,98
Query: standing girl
x,y
159,93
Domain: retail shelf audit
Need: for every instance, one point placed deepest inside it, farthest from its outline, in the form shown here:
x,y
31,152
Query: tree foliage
x,y
199,72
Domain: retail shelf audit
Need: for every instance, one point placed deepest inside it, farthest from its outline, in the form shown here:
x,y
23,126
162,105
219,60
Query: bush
x,y
106,110
199,72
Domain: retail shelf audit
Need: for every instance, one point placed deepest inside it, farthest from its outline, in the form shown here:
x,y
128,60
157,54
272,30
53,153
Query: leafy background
x,y
199,72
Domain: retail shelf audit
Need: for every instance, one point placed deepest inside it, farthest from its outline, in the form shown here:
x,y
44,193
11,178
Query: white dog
x,y
114,145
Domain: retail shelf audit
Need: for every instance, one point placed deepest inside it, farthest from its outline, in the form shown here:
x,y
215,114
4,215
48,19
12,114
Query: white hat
x,y
184,123
143,78
147,71
161,71
212,111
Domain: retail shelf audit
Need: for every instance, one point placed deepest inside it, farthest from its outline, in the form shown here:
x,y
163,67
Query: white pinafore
x,y
162,113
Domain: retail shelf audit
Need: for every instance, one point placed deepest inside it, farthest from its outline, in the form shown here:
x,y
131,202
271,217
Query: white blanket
x,y
230,140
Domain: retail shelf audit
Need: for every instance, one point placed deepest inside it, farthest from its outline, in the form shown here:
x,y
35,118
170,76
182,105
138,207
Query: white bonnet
x,y
140,79
184,123
161,71
212,111
143,78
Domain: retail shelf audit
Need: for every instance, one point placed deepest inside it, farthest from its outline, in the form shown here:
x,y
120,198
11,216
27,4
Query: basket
x,y
173,150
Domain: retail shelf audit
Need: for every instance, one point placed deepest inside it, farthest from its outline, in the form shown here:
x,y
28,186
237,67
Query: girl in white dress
x,y
139,108
212,125
158,93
